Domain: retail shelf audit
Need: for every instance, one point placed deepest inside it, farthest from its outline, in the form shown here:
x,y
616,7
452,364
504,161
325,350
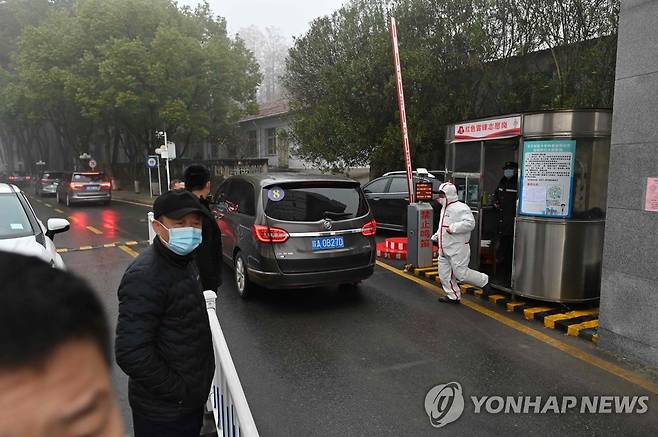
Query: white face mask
x,y
443,201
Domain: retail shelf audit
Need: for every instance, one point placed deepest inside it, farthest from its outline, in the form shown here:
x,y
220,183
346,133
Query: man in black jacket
x,y
505,202
209,256
163,340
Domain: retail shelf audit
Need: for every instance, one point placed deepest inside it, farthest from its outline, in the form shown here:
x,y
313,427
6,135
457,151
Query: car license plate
x,y
327,243
93,187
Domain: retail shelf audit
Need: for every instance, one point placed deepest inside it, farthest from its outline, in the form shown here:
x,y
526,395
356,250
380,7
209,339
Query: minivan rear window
x,y
52,175
88,177
311,203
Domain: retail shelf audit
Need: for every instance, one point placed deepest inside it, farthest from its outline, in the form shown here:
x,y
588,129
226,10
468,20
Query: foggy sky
x,y
291,16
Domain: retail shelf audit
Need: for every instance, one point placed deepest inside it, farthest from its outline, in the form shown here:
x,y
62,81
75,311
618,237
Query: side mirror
x,y
366,191
57,226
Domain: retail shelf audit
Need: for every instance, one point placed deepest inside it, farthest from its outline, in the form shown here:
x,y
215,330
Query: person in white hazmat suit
x,y
453,237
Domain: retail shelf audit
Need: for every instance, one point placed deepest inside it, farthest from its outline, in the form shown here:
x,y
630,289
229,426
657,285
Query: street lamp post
x,y
165,154
167,160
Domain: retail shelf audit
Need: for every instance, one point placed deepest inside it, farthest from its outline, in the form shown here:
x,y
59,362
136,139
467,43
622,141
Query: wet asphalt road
x,y
328,362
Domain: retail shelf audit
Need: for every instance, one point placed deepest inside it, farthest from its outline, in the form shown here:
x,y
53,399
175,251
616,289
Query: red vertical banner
x,y
403,112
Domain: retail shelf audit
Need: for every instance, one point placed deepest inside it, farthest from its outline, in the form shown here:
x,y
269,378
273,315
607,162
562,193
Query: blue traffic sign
x,y
152,161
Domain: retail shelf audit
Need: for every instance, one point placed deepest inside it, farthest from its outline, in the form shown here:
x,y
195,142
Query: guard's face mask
x,y
182,241
509,173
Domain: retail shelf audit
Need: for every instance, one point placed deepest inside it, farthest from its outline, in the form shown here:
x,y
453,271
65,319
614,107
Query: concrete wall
x,y
629,294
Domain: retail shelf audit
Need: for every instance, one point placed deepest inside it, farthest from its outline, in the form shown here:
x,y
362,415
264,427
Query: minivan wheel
x,y
241,279
68,200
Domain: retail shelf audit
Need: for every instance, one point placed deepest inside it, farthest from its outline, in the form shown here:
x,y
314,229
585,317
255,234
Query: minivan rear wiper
x,y
336,215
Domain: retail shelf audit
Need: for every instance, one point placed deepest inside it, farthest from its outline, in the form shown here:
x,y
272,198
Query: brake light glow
x,y
11,178
369,229
29,178
268,234
106,184
77,186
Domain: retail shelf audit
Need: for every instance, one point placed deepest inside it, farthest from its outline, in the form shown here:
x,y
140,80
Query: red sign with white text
x,y
488,129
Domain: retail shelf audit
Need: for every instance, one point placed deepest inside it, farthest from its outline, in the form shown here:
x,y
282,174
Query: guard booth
x,y
555,252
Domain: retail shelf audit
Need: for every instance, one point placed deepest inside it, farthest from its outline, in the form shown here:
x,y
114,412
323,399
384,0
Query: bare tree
x,y
270,49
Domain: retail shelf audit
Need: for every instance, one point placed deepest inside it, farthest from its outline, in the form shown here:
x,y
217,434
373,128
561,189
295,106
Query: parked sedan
x,y
295,231
388,197
22,232
79,187
47,183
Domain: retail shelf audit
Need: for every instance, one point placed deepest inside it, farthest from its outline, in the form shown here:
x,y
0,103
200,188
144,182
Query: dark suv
x,y
295,231
84,186
388,197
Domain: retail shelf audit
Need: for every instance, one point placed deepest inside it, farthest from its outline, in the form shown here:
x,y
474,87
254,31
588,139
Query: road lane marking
x,y
564,347
59,211
129,251
102,246
132,243
48,205
94,230
146,205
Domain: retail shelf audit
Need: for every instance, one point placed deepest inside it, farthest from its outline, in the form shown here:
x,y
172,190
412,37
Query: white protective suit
x,y
454,247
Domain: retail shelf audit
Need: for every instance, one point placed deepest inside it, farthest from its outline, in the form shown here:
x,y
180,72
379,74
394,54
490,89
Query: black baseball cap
x,y
176,204
511,164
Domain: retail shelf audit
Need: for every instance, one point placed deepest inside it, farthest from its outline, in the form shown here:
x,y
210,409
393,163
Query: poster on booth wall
x,y
547,171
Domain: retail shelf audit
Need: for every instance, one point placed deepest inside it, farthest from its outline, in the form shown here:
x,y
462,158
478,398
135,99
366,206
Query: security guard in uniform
x,y
505,202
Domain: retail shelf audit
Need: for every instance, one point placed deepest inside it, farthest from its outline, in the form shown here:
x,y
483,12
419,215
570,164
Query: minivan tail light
x,y
77,186
369,229
268,234
106,184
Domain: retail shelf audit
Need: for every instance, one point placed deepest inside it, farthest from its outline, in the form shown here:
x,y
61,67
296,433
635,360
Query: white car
x,y
22,232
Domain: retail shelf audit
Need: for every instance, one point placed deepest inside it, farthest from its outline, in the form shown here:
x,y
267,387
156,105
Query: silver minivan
x,y
288,230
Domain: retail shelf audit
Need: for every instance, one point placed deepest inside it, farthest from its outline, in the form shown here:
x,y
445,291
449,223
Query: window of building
x,y
252,143
271,141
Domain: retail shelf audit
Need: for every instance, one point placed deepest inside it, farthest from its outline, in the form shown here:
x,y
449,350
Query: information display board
x,y
423,191
547,173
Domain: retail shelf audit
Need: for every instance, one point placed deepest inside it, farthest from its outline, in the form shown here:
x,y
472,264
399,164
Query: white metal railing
x,y
229,405
149,220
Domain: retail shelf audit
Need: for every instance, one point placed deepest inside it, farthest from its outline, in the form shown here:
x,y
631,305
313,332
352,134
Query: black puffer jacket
x,y
209,254
163,340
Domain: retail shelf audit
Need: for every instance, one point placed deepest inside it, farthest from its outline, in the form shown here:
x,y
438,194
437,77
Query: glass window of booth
x,y
590,186
467,157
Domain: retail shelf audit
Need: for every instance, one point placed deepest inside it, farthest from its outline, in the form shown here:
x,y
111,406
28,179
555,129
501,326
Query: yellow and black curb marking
x,y
104,246
581,322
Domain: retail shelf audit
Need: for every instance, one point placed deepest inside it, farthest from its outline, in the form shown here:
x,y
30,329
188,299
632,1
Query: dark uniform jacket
x,y
163,340
505,198
209,253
